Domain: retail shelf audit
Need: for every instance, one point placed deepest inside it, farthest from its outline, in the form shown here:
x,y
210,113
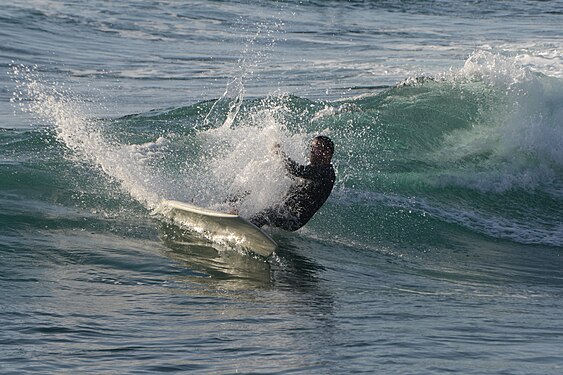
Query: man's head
x,y
322,149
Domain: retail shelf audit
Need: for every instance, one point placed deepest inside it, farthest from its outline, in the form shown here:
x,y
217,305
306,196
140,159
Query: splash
x,y
248,165
228,155
54,104
236,163
228,160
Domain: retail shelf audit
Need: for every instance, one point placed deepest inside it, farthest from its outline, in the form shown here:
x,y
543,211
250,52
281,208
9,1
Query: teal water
x,y
438,251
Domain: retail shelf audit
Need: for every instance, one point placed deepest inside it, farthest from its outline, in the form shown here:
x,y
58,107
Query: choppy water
x,y
439,250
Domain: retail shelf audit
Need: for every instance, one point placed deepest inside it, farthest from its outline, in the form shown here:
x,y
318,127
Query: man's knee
x,y
275,218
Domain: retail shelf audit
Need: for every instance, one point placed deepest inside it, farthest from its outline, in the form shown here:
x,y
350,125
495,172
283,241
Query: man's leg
x,y
275,218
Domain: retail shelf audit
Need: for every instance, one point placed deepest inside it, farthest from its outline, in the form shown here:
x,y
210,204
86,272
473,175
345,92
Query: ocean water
x,y
439,251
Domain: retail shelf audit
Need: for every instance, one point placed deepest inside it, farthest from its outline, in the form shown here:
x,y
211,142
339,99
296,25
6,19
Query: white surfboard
x,y
221,227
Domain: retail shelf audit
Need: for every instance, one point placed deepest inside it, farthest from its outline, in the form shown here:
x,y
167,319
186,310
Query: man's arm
x,y
294,168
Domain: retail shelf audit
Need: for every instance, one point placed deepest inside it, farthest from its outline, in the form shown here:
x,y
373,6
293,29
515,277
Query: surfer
x,y
313,184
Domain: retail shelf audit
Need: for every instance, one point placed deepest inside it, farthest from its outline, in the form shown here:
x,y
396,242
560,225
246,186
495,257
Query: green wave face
x,y
477,150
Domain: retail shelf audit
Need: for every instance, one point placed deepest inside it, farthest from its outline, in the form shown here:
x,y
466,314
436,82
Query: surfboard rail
x,y
221,227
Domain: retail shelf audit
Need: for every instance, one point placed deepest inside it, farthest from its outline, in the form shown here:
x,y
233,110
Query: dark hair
x,y
326,143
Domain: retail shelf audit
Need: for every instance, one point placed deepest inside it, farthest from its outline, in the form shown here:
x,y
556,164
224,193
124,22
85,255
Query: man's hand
x,y
276,149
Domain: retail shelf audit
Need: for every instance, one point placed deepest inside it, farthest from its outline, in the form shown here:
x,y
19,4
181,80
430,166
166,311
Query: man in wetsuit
x,y
313,184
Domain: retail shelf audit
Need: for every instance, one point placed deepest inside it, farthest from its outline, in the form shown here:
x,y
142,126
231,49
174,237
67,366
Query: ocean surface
x,y
439,250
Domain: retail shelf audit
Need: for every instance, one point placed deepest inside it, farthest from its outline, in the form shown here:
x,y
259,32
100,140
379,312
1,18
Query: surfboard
x,y
221,227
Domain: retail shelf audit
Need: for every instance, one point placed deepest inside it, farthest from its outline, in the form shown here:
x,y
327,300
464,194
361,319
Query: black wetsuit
x,y
303,199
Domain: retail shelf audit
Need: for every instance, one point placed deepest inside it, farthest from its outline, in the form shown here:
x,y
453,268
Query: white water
x,y
523,138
